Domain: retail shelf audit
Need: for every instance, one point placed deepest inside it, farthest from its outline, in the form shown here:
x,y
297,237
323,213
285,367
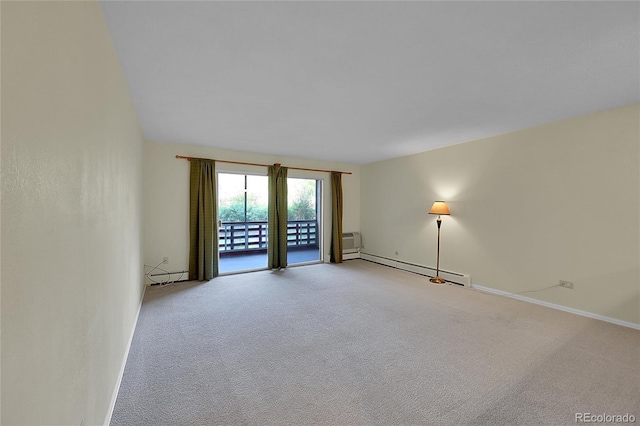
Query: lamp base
x,y
437,280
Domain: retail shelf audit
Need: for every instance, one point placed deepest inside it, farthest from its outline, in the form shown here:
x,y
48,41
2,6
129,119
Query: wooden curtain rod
x,y
261,165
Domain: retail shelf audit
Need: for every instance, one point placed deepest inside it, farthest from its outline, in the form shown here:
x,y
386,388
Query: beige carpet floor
x,y
363,344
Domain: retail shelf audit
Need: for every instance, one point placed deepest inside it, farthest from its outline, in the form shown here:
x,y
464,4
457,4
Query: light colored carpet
x,y
359,344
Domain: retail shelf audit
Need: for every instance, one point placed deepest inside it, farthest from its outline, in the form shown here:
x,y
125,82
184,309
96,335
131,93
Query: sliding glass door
x,y
242,222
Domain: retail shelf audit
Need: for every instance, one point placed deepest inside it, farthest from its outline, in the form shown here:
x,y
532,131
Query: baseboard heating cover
x,y
453,277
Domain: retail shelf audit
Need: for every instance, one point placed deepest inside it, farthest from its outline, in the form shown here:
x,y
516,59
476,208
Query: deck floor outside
x,y
244,262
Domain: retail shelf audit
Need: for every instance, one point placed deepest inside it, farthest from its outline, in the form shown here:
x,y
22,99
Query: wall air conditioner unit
x,y
351,242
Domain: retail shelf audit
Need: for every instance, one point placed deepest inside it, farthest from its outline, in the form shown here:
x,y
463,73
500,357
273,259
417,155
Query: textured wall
x,y
71,214
528,208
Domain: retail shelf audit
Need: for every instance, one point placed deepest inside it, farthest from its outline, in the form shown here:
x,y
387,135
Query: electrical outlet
x,y
165,260
566,284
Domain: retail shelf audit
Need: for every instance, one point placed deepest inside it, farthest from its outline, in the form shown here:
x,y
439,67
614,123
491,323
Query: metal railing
x,y
237,237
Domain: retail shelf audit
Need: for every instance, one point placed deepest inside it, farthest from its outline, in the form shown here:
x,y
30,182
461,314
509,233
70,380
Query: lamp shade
x,y
439,207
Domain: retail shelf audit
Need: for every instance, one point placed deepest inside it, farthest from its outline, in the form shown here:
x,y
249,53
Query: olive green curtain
x,y
277,241
336,217
277,226
203,217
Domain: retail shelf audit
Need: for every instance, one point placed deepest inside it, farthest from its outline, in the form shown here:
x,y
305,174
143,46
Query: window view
x,y
301,202
243,221
242,198
302,224
242,215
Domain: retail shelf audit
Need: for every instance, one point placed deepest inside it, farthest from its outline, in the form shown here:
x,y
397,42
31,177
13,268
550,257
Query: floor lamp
x,y
439,207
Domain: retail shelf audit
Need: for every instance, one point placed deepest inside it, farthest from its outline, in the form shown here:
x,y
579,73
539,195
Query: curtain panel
x,y
277,234
336,217
203,215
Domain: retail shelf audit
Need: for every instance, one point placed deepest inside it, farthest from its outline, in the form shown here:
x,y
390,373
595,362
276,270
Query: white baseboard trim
x,y
454,277
114,396
558,307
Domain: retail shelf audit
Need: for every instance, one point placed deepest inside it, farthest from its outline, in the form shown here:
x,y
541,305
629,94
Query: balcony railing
x,y
238,237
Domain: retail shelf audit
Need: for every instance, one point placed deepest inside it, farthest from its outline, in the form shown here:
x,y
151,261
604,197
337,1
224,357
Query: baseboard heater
x,y
452,277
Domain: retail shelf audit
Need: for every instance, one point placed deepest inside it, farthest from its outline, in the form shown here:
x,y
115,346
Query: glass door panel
x,y
303,227
242,222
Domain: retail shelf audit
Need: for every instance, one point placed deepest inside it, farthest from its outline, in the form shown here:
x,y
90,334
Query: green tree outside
x,y
301,205
302,199
232,209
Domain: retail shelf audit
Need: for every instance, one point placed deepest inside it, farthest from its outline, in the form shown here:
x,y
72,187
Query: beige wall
x,y
166,195
71,214
557,201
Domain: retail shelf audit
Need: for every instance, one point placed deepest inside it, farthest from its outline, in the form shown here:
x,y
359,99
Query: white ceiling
x,y
364,81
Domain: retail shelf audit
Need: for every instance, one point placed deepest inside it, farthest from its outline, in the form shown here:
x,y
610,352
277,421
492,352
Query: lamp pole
x,y
437,278
439,207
